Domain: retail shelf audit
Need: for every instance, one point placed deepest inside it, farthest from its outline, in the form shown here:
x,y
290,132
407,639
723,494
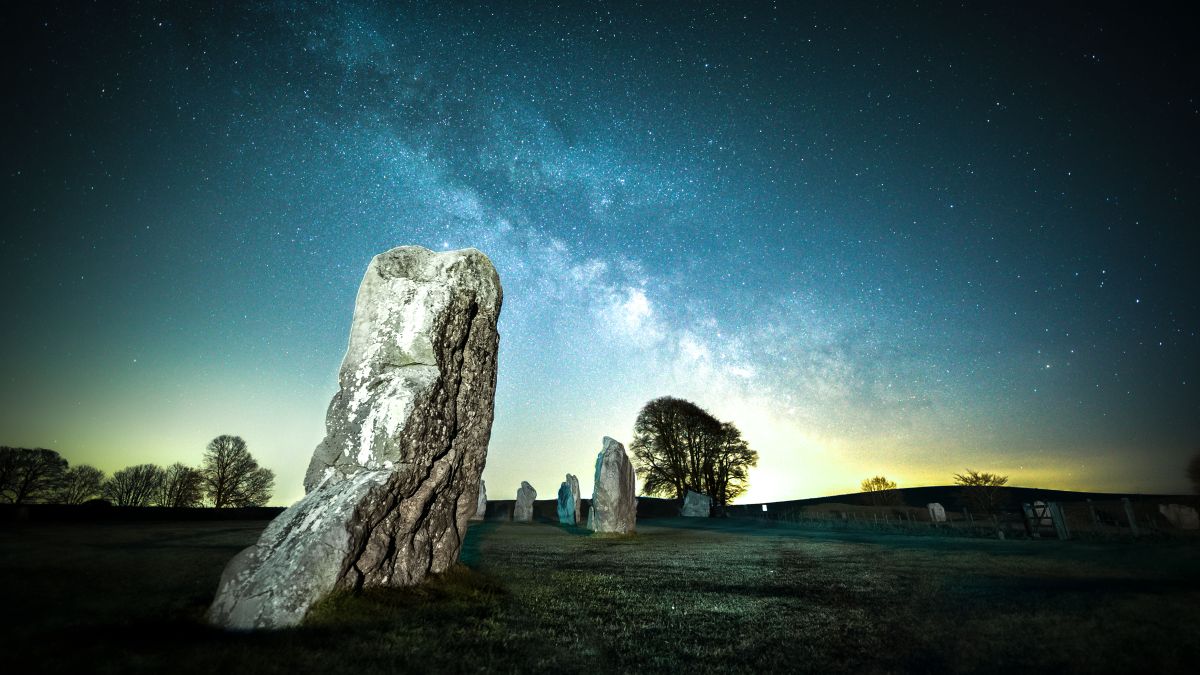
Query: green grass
x,y
679,595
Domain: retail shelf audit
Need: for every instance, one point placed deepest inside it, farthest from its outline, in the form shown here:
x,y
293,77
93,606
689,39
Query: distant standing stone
x,y
406,436
696,505
614,506
523,509
937,514
573,481
568,501
1180,516
481,503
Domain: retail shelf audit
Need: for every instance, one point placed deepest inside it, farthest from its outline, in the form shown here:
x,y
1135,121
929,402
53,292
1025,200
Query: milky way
x,y
880,241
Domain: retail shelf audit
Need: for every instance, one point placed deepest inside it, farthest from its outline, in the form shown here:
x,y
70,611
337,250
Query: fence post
x,y
1133,526
1060,520
1031,521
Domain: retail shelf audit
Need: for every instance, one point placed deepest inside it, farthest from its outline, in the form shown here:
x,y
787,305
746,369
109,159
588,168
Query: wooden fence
x,y
1089,519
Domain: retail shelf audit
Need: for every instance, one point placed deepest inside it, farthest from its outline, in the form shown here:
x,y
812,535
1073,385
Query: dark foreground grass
x,y
679,595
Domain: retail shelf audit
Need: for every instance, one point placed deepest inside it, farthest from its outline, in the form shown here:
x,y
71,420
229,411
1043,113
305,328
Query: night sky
x,y
879,240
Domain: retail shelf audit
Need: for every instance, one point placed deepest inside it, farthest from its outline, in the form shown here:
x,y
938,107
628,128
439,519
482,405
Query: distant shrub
x,y
982,490
879,491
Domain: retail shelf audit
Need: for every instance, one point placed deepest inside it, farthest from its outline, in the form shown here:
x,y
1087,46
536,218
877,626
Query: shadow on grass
x,y
444,625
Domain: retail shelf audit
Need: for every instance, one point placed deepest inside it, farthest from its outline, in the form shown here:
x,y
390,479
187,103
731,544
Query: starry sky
x,y
888,240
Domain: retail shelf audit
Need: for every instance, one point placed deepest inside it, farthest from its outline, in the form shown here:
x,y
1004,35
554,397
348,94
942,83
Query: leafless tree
x,y
79,484
182,486
982,490
879,491
134,486
231,475
29,475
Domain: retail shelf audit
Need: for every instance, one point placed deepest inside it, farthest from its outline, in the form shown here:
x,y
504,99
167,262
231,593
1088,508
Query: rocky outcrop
x,y
614,506
696,505
568,501
523,508
392,486
481,503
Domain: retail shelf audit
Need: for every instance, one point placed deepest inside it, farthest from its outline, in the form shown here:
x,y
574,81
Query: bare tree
x,y
982,490
231,475
79,484
29,475
182,486
879,491
8,471
134,486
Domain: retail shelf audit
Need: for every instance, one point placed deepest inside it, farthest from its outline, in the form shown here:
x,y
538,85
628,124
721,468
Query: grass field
x,y
680,595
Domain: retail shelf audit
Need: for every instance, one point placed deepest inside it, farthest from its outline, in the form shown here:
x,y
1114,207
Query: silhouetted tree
x,y
29,475
879,491
231,475
678,447
79,484
727,471
182,486
134,486
981,490
8,468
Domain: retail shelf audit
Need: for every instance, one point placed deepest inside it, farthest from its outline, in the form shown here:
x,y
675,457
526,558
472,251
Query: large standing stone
x,y
481,503
523,509
937,513
568,501
392,486
696,505
614,506
1180,516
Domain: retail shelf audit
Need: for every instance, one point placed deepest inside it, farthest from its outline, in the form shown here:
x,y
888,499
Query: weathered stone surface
x,y
937,513
481,503
614,506
1180,516
696,505
573,481
392,486
523,509
568,501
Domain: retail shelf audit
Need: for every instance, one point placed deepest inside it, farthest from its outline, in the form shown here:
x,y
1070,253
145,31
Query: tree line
x,y
228,476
